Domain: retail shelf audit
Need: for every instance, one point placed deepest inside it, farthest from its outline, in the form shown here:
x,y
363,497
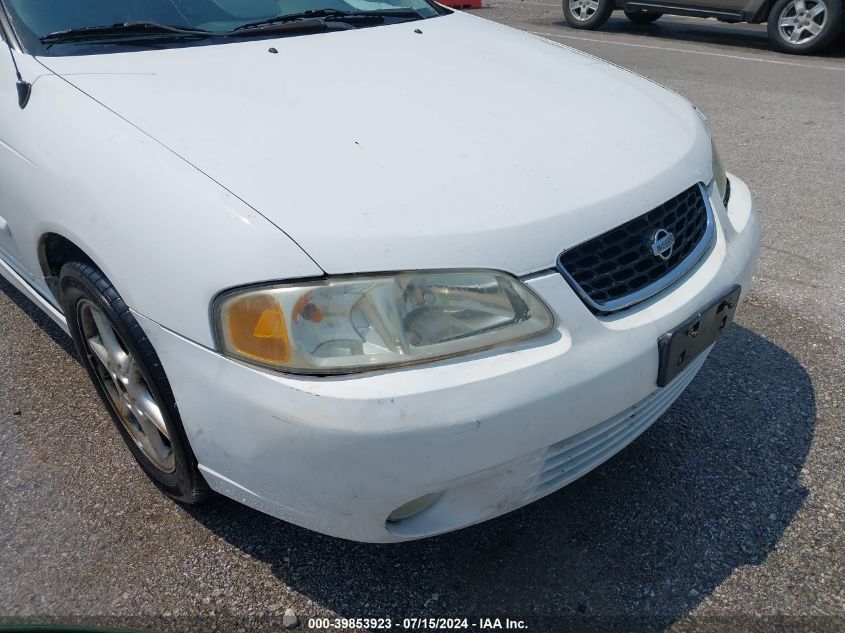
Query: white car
x,y
380,269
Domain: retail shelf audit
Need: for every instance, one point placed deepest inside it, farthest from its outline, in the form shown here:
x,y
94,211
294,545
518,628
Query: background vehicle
x,y
794,26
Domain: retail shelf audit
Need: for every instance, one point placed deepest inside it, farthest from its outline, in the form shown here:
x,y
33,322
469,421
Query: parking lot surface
x,y
730,506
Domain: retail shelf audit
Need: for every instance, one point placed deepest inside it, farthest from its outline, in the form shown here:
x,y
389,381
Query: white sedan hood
x,y
468,145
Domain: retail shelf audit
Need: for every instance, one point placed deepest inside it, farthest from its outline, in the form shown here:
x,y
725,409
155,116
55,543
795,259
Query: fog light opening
x,y
413,508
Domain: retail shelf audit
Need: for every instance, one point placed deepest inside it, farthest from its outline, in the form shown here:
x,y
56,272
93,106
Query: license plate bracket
x,y
682,345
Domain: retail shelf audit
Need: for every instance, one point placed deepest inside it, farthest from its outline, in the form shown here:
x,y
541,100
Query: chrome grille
x,y
619,268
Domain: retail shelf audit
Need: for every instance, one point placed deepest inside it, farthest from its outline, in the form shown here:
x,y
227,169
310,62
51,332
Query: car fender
x,y
167,236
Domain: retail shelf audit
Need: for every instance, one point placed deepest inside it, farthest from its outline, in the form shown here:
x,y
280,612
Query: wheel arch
x,y
54,251
762,14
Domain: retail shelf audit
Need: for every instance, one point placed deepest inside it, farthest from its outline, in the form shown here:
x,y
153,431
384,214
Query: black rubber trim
x,y
690,11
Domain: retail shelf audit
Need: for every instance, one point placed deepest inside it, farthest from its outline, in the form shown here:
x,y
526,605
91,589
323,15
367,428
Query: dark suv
x,y
795,26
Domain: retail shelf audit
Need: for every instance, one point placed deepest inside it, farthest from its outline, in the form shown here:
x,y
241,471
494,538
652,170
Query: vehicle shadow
x,y
703,31
711,487
45,323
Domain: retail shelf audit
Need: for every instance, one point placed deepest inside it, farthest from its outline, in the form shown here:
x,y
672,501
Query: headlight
x,y
720,176
357,323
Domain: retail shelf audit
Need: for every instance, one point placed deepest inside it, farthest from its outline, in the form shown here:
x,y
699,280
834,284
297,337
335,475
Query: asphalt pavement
x,y
729,512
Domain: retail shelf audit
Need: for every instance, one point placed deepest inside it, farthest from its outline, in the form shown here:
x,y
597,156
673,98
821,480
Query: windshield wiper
x,y
317,19
133,30
332,15
306,23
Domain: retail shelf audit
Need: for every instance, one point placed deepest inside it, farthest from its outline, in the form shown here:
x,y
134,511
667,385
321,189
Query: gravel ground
x,y
728,512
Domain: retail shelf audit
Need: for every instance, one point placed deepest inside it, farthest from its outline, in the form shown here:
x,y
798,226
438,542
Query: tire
x,y
792,22
643,17
165,455
587,14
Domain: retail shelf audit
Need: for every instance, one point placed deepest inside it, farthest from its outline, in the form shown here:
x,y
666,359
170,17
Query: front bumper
x,y
492,432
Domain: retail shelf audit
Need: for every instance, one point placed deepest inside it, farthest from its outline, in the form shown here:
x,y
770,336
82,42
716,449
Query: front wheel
x,y
804,26
643,17
130,380
587,14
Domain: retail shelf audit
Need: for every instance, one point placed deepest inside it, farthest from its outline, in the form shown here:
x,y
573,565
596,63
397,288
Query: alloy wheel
x,y
801,21
120,376
583,10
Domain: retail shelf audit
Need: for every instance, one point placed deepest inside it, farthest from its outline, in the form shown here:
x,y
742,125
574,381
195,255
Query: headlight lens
x,y
348,324
719,175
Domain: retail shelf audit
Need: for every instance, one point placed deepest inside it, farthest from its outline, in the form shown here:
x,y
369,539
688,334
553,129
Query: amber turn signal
x,y
255,327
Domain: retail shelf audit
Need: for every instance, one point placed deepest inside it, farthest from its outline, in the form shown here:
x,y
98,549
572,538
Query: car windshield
x,y
35,20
